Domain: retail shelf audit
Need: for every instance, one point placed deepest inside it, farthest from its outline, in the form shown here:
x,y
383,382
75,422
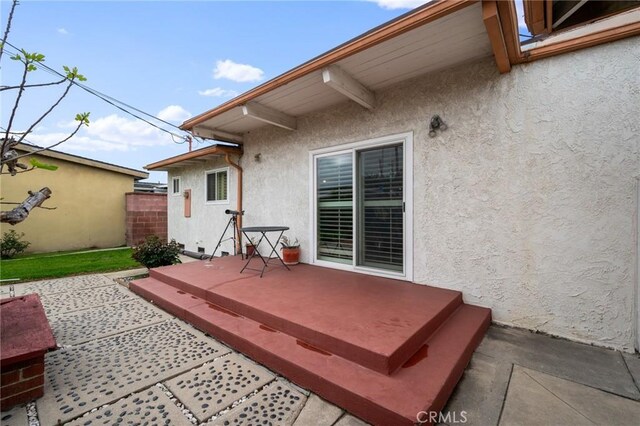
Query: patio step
x,y
423,383
376,322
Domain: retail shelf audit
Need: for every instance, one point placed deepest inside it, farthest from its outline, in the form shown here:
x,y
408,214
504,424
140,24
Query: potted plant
x,y
250,247
290,251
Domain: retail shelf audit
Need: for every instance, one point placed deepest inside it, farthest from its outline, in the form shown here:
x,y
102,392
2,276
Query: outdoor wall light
x,y
257,157
436,123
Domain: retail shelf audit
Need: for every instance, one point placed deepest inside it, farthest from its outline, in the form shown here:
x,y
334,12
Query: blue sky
x,y
170,59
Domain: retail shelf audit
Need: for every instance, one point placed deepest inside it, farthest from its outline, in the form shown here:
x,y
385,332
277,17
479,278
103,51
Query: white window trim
x,y
179,179
407,143
207,173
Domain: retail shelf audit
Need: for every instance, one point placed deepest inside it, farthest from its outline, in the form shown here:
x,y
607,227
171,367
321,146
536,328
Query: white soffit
x,y
454,39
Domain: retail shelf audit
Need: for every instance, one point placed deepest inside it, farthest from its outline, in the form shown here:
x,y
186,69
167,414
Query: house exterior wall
x,y
207,221
526,203
89,202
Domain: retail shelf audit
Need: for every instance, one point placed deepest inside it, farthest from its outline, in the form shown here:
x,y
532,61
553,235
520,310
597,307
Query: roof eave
x,y
168,163
413,19
35,150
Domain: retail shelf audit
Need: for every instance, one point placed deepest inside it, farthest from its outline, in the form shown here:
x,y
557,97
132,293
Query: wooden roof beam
x,y
494,30
535,16
339,80
509,23
269,115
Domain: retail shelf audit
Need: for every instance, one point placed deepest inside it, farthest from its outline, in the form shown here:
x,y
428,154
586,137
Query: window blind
x,y
380,208
335,208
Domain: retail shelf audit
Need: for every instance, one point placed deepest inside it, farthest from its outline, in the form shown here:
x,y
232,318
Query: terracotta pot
x,y
249,249
290,255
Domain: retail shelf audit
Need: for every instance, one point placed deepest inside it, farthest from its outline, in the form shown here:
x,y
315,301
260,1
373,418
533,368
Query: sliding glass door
x,y
360,197
380,208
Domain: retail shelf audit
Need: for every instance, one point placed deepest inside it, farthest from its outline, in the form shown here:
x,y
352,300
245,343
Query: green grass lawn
x,y
55,265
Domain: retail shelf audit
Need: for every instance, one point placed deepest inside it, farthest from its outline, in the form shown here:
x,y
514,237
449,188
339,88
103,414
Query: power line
x,y
113,102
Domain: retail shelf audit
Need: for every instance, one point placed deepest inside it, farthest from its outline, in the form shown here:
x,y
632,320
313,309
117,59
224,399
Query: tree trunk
x,y
20,213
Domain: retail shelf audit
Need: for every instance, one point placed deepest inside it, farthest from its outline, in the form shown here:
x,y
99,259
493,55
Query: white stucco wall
x,y
207,221
525,204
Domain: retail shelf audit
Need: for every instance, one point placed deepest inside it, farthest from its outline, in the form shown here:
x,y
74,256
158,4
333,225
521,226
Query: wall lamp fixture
x,y
436,123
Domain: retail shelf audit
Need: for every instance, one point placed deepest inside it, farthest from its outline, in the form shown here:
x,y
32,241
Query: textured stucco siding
x,y
207,221
89,206
526,203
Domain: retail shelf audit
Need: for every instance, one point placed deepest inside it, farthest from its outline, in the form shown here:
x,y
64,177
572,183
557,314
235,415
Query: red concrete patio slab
x,y
382,349
197,277
424,383
169,298
377,322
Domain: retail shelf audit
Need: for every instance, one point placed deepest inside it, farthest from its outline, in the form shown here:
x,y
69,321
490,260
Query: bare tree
x,y
9,157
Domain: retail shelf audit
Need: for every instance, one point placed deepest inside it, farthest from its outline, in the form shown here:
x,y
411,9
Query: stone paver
x,y
318,412
17,416
150,407
211,388
61,303
536,398
121,344
61,285
597,367
349,420
277,404
83,377
78,327
633,363
481,391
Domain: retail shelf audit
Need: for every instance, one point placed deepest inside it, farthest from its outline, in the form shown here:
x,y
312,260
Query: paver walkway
x,y
122,359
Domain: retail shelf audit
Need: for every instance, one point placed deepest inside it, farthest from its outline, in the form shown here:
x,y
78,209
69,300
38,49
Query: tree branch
x,y
28,86
50,146
40,207
35,123
9,156
20,213
19,171
15,106
8,28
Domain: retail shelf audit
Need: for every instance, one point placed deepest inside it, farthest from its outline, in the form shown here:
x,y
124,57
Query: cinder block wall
x,y
146,215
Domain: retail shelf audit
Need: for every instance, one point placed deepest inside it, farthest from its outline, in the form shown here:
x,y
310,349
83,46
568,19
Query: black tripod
x,y
233,222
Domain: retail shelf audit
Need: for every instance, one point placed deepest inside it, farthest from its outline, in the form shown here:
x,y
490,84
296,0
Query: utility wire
x,y
114,102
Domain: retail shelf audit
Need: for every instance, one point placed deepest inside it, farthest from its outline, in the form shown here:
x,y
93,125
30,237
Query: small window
x,y
217,186
175,185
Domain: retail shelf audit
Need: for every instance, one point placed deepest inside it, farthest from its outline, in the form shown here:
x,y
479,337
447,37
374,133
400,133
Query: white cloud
x,y
109,133
399,4
237,72
218,92
63,31
77,143
174,113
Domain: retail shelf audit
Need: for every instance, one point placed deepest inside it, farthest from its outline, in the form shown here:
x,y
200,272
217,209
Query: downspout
x,y
227,159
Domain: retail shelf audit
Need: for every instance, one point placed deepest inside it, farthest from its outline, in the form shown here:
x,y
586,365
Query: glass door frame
x,y
406,139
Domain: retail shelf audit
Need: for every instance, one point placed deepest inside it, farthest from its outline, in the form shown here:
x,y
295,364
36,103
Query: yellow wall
x,y
90,206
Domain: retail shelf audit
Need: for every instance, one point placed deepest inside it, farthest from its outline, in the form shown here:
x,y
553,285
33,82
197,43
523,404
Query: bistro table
x,y
263,231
